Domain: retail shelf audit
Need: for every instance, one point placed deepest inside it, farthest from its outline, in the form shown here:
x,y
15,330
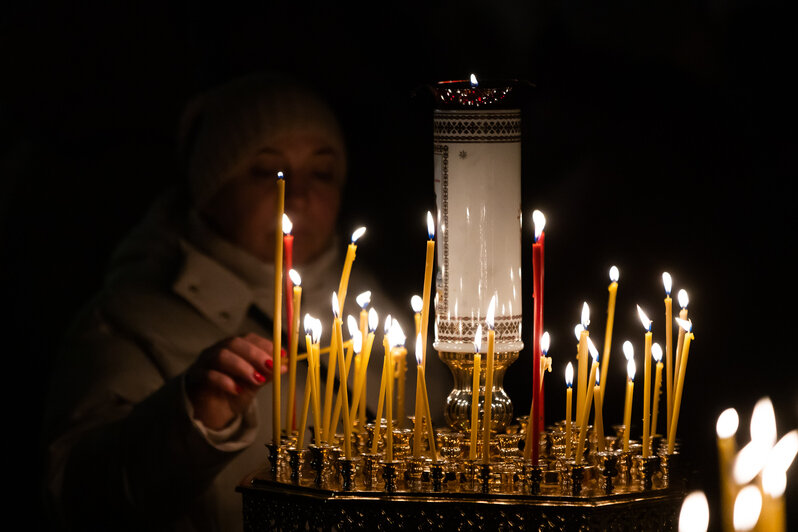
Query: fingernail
x,y
238,389
269,363
258,377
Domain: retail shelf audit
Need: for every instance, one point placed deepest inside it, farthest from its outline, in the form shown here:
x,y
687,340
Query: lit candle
x,y
544,362
277,330
627,409
656,352
425,399
328,389
598,420
747,506
677,396
605,357
400,356
489,382
288,260
310,385
386,361
668,284
417,304
355,345
569,381
472,450
580,444
396,339
646,383
343,284
363,300
316,355
581,373
726,429
430,260
293,342
694,516
683,301
422,411
338,338
774,482
535,422
359,398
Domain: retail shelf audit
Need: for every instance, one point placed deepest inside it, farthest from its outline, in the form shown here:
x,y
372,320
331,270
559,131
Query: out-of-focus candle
x,y
400,356
774,482
627,409
288,260
677,397
424,417
363,300
472,450
343,284
430,261
303,418
277,330
569,381
656,352
726,429
355,346
605,357
668,284
338,338
386,361
316,354
646,383
293,341
581,373
580,444
417,304
359,399
694,516
396,339
683,301
747,507
488,382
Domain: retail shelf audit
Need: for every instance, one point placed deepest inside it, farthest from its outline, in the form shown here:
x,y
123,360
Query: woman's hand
x,y
226,376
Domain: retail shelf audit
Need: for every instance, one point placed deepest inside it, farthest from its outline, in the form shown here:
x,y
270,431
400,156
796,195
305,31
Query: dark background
x,y
657,139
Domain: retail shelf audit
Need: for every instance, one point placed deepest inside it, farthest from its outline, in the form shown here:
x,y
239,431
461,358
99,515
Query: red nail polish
x,y
238,389
258,377
283,352
269,363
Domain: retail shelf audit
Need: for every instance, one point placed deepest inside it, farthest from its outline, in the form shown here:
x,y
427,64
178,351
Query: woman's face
x,y
244,209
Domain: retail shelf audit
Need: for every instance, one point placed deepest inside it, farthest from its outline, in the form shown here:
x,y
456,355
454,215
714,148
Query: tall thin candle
x,y
489,319
338,339
386,361
293,341
430,261
343,284
683,302
363,300
656,352
472,450
277,329
726,429
646,383
396,340
580,444
569,381
605,357
538,252
288,260
359,399
598,419
581,373
627,409
667,282
687,326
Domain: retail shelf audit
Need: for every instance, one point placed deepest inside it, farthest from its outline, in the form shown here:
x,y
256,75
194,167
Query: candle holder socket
x,y
436,471
468,474
647,466
369,469
274,459
346,467
295,463
509,446
414,471
576,474
485,474
670,465
608,462
390,472
532,476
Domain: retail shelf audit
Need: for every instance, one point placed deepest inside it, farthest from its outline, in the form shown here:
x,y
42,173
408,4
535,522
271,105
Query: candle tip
x,y
386,328
280,175
363,299
727,424
630,369
615,274
683,299
373,320
295,277
316,337
430,226
747,507
287,225
592,348
308,323
396,337
694,516
545,342
569,375
358,233
687,325
335,304
644,319
357,341
763,423
628,350
473,79
585,315
667,283
491,311
478,339
578,331
417,304
656,352
539,222
419,350
352,325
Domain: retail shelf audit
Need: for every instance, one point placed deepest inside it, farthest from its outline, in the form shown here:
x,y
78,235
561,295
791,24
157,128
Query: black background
x,y
657,139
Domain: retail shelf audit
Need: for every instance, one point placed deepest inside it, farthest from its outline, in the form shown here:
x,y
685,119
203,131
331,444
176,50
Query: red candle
x,y
288,256
536,422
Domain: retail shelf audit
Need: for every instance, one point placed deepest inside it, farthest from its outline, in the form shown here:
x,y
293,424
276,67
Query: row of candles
x,y
752,480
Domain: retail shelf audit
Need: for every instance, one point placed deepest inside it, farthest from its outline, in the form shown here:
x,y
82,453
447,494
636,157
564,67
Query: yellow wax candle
x,y
677,396
338,338
486,428
683,301
359,399
668,284
383,386
581,373
340,401
430,261
292,350
569,381
401,377
419,409
314,354
428,416
646,383
277,330
580,445
343,284
328,390
773,482
726,429
309,385
472,450
627,409
598,420
417,304
545,362
389,409
656,352
605,357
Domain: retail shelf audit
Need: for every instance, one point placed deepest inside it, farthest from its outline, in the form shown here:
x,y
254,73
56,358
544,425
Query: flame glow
x,y
644,319
694,516
656,352
316,337
569,375
631,368
585,315
747,507
396,337
419,350
352,325
478,339
592,348
335,304
386,328
727,424
280,175
614,274
430,225
287,225
373,320
749,462
667,282
364,299
578,331
357,341
308,323
683,299
295,277
774,476
416,303
358,233
539,221
628,350
473,80
763,423
491,311
545,342
687,325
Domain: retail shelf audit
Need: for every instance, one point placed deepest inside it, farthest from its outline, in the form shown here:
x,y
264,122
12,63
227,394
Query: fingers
x,y
222,382
233,364
262,347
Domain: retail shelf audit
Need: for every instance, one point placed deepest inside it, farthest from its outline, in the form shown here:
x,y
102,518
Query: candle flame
x,y
774,481
358,233
774,475
416,303
687,325
592,348
644,319
727,424
628,350
763,423
287,225
598,375
683,299
630,369
569,375
280,175
373,320
473,80
667,282
386,328
750,461
578,331
335,304
396,337
539,221
316,338
491,311
430,226
308,323
545,342
747,507
295,277
352,325
478,339
694,516
585,315
363,299
357,341
656,352
419,350
615,274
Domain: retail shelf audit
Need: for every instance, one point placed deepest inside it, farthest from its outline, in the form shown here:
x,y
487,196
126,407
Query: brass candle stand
x,y
603,491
